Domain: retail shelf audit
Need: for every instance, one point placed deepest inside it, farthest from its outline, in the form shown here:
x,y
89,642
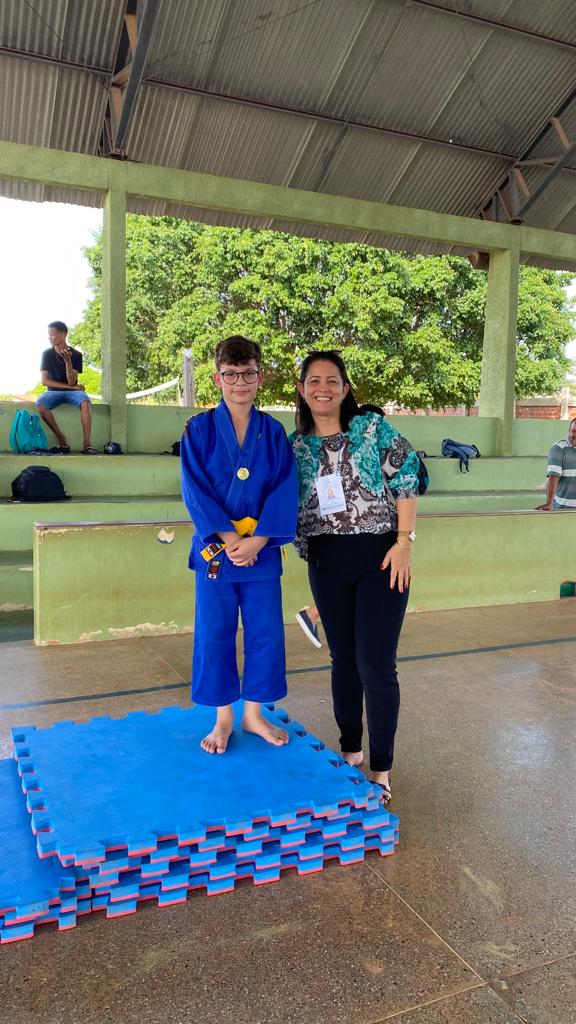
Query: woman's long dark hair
x,y
349,406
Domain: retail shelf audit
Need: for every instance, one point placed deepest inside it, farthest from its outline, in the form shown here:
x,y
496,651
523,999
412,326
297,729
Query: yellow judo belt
x,y
245,527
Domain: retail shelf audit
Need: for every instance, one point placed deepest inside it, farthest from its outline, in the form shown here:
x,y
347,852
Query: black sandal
x,y
385,793
90,451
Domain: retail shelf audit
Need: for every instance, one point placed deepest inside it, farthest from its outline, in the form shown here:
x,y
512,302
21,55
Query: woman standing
x,y
358,482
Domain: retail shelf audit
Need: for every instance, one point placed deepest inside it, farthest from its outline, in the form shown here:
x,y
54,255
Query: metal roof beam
x,y
515,179
525,158
58,62
120,76
326,118
569,154
494,23
205,191
137,33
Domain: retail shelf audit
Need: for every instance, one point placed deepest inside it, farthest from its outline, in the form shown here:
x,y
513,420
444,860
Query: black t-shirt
x,y
56,367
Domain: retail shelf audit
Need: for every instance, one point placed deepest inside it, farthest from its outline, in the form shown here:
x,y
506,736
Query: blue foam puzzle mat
x,y
225,864
176,889
32,891
129,784
199,855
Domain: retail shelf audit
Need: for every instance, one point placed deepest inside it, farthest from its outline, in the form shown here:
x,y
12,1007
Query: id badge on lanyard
x,y
330,494
331,497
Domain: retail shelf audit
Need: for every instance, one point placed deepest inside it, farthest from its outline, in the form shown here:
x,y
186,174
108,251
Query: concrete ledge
x,y
470,502
67,418
17,521
16,581
152,429
132,579
129,476
138,475
127,582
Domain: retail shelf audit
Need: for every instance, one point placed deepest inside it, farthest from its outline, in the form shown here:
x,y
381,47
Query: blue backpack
x,y
459,450
423,478
26,434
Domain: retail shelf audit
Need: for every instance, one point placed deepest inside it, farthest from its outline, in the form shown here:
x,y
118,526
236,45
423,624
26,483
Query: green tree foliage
x,y
410,327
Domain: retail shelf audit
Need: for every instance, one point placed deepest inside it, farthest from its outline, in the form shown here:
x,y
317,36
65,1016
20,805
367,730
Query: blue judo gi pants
x,y
215,679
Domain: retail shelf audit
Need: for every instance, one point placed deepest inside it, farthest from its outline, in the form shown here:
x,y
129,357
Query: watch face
x,y
412,535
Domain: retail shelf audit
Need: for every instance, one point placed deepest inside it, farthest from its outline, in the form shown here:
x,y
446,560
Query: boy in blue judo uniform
x,y
240,487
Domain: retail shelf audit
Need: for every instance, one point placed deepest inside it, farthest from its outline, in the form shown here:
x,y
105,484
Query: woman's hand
x,y
398,559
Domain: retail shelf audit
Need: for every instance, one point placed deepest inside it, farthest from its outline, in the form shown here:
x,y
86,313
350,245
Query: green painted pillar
x,y
499,355
114,314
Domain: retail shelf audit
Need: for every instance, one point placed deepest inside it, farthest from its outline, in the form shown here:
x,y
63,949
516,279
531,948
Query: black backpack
x,y
459,450
38,483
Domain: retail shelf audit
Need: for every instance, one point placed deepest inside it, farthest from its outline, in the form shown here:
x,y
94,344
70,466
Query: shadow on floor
x,y
15,626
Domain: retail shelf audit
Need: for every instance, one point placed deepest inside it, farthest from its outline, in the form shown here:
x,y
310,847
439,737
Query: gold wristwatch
x,y
410,534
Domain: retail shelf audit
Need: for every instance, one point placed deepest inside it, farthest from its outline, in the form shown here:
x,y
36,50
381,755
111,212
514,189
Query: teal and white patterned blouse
x,y
377,465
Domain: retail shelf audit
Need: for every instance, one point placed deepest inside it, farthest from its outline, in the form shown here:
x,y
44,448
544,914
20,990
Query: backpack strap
x,y
14,431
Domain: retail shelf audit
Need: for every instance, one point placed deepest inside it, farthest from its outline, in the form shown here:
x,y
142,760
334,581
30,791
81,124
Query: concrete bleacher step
x,y
145,475
513,473
95,475
479,501
16,580
139,488
16,520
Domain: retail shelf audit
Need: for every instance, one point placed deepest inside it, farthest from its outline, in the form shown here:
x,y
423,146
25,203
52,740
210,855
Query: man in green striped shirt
x,y
561,475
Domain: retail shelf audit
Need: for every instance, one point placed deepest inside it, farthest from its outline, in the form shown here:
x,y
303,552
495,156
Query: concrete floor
x,y
472,920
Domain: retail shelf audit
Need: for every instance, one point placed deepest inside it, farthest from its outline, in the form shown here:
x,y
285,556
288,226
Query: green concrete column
x,y
499,355
114,314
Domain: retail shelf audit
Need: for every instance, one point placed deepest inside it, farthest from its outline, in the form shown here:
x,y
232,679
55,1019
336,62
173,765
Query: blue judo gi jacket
x,y
222,482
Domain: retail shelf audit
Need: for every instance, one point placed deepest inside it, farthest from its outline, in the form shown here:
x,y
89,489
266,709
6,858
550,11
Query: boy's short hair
x,y
236,350
58,325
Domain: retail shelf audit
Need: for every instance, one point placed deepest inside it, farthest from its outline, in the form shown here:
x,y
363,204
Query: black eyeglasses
x,y
231,376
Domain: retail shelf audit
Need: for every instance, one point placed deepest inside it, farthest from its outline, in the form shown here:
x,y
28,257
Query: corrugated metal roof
x,y
83,32
553,17
27,97
44,105
375,99
282,51
555,204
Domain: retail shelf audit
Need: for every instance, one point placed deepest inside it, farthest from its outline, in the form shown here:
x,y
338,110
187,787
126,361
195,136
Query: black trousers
x,y
362,618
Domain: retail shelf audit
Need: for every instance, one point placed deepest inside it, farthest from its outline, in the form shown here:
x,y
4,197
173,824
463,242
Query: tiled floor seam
x,y
398,1014
489,984
534,967
428,925
174,669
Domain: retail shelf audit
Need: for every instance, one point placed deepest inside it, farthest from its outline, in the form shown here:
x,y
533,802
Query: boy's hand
x,y
244,551
229,538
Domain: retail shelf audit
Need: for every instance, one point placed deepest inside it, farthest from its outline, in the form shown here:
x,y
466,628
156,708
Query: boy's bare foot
x,y
254,721
354,759
217,740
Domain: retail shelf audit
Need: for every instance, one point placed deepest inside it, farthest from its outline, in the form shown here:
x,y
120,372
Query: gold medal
x,y
243,473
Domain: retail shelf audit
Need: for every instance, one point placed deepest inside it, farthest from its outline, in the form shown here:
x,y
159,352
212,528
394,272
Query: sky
x,y
43,277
